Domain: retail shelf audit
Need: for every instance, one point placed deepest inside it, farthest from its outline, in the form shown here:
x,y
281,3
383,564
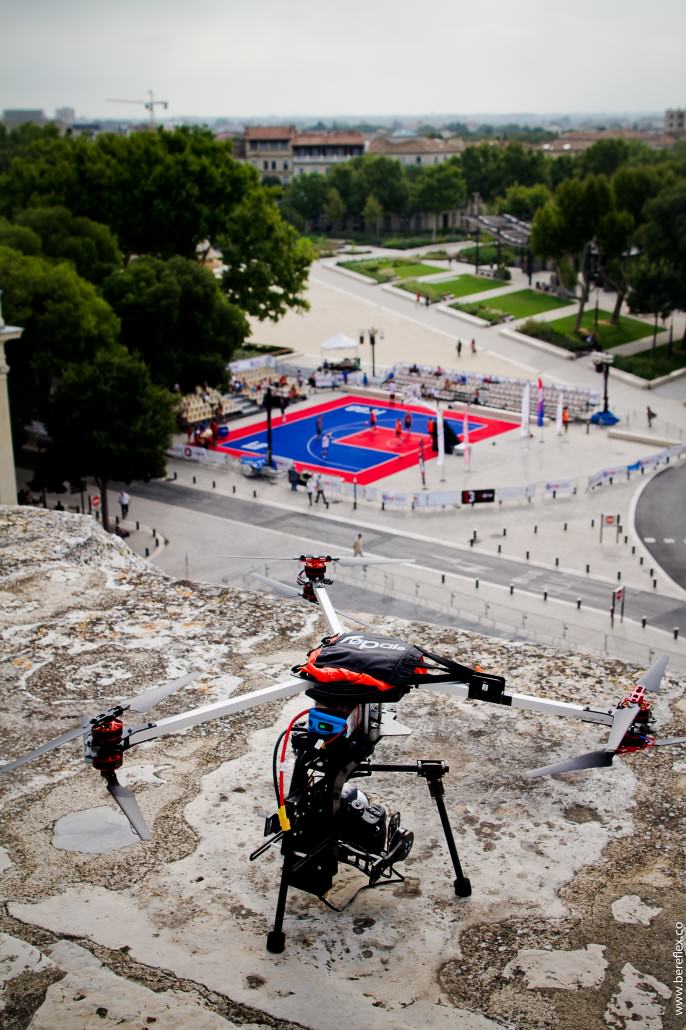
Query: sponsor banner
x,y
604,475
559,486
245,364
505,493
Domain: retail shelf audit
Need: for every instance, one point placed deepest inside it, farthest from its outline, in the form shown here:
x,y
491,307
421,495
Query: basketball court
x,y
357,449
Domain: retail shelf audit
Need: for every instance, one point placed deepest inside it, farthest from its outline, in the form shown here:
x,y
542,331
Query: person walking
x,y
326,440
458,348
565,418
372,420
124,501
398,428
319,491
408,421
473,345
650,415
310,489
319,425
357,546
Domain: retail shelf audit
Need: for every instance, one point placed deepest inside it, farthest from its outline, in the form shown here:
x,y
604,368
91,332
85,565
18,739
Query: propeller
x,y
141,703
342,561
126,800
652,679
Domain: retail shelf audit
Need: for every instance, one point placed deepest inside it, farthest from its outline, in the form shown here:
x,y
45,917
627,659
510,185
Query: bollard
x,y
652,572
626,539
527,555
138,525
557,563
443,577
511,589
564,527
654,584
147,552
676,632
254,494
535,529
476,584
383,506
619,576
640,560
545,595
471,541
633,549
194,479
505,532
588,569
214,485
500,548
554,494
578,604
116,520
233,488
175,477
474,535
643,622
592,523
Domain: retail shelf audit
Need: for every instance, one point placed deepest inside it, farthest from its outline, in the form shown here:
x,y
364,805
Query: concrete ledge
x,y
464,316
550,348
647,437
335,267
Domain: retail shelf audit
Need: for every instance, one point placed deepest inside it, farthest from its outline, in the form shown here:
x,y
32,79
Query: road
x,y
661,611
660,521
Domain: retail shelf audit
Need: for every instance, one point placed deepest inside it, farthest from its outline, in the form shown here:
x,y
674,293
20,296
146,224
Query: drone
x,y
354,680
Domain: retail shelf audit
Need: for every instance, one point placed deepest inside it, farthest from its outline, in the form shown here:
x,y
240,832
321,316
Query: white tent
x,y
339,342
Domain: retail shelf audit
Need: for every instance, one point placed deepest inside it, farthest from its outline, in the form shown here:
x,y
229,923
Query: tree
x,y
175,316
524,201
483,171
18,237
267,262
373,215
439,188
89,245
304,198
64,321
613,236
334,208
654,289
109,421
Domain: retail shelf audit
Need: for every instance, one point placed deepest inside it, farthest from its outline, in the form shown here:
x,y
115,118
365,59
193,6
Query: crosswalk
x,y
665,540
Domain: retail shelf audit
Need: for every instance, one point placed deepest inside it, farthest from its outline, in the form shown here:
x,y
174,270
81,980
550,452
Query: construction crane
x,y
150,104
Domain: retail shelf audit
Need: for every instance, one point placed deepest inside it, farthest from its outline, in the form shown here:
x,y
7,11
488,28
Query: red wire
x,y
283,752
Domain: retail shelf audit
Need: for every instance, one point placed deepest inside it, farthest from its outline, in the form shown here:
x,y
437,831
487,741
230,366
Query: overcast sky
x,y
333,57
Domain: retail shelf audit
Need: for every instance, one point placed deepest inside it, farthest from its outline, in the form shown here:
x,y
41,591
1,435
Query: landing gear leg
x,y
276,938
463,887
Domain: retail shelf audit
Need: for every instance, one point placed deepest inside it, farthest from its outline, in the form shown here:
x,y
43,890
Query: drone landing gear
x,y
433,772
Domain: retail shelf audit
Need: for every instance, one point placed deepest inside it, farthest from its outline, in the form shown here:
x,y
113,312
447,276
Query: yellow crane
x,y
150,104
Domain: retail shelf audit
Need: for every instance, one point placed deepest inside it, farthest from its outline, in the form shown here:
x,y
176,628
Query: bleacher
x,y
501,392
204,404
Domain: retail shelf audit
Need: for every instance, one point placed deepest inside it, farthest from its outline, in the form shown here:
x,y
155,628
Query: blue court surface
x,y
367,440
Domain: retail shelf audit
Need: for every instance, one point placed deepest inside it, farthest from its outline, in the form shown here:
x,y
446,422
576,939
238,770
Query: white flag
x,y
526,410
558,414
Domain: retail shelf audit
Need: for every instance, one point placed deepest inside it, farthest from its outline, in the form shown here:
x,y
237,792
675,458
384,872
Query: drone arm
x,y
536,704
197,716
328,610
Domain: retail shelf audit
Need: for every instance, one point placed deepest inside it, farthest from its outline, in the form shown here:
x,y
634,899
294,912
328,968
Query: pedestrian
x,y
319,425
565,418
309,486
459,349
417,298
319,491
408,421
473,345
326,440
372,419
357,546
293,477
650,415
427,300
124,501
365,380
398,428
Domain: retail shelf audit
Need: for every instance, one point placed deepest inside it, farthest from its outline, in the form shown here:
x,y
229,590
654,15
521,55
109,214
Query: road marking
x,y
668,540
648,539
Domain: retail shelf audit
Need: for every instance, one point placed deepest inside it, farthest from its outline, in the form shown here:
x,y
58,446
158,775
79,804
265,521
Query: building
x,y
417,151
13,118
675,120
268,149
319,151
66,116
578,140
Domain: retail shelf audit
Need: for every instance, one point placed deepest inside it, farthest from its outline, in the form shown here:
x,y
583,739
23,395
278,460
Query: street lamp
x,y
601,363
372,334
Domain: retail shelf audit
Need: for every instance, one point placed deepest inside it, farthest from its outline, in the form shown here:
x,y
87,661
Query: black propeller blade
x,y
126,800
669,741
652,679
621,722
50,745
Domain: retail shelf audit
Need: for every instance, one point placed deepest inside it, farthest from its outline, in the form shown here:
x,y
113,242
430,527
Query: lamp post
x,y
372,333
602,362
8,482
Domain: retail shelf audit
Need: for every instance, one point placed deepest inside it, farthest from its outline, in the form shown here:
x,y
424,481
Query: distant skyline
x,y
320,58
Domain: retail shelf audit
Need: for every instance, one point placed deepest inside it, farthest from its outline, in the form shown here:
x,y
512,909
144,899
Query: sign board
x,y
478,496
95,501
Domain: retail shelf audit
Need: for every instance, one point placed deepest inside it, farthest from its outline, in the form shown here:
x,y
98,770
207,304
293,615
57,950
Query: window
x,y
273,166
418,160
265,166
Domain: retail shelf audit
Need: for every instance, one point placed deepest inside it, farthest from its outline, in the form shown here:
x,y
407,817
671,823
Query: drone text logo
x,y
362,644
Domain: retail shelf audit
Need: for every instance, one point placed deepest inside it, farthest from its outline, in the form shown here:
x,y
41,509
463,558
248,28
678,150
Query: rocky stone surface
x,y
171,932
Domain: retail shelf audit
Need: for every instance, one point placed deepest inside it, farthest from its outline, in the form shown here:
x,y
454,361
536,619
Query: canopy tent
x,y
339,342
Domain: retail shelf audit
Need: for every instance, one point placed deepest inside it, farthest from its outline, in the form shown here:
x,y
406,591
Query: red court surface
x,y
357,450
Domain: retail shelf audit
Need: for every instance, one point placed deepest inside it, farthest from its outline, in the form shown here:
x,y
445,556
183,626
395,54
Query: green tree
x,y
303,199
482,167
373,215
613,236
107,420
90,246
385,178
524,201
655,289
18,237
439,188
174,315
267,262
64,320
523,166
334,208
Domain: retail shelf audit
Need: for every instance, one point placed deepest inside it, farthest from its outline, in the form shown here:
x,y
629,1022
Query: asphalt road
x,y
660,521
661,611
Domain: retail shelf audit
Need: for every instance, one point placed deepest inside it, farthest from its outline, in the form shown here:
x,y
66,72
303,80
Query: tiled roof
x,y
327,139
417,145
266,132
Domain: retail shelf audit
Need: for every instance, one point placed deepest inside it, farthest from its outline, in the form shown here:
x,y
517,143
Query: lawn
x,y
650,364
382,270
459,287
609,336
522,304
488,255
